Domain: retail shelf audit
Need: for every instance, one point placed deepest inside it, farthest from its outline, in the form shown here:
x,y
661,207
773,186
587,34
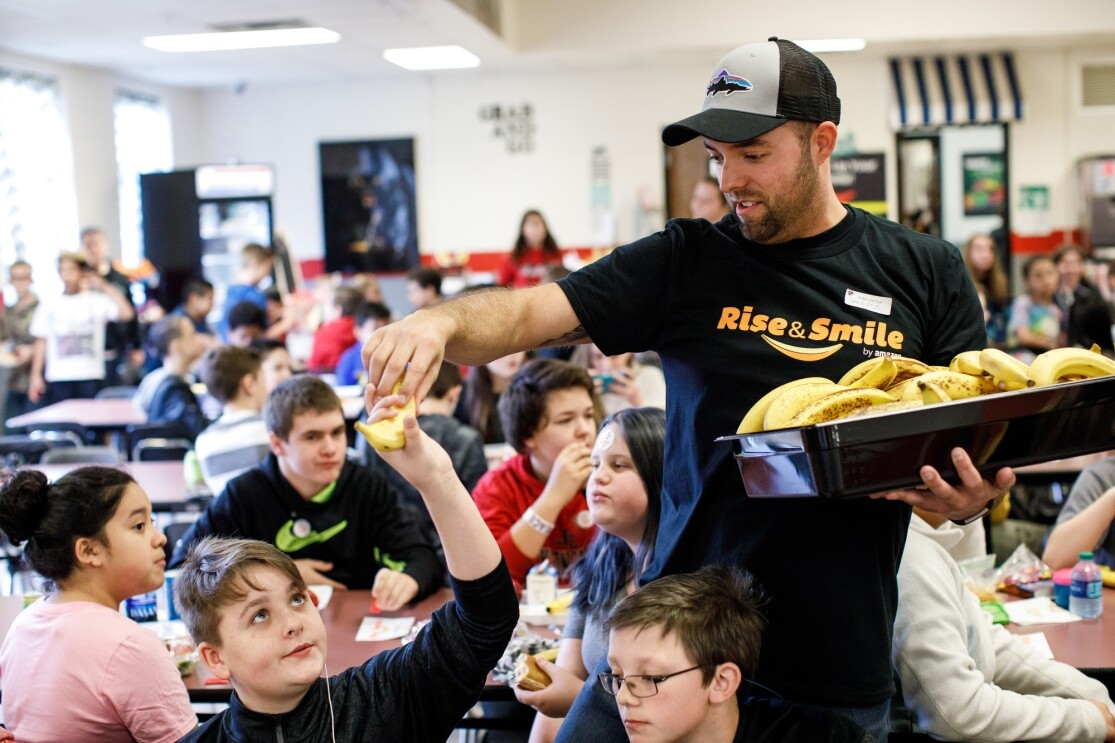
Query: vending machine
x,y
195,222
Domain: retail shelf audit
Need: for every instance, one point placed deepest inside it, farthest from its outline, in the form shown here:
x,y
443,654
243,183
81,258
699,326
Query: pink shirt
x,y
81,671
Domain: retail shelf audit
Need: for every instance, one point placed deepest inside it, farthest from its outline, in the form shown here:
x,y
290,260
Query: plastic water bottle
x,y
143,608
1086,597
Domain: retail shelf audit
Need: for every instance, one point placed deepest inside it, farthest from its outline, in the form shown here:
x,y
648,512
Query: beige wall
x,y
472,190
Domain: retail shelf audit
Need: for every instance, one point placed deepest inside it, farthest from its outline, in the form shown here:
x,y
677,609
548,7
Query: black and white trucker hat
x,y
756,88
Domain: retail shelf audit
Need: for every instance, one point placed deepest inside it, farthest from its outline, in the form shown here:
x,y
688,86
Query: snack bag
x,y
1022,569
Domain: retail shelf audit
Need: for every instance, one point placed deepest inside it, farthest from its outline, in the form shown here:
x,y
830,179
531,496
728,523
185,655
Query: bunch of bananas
x,y
887,383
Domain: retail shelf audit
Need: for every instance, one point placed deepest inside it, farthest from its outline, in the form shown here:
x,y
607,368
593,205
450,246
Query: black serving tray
x,y
870,454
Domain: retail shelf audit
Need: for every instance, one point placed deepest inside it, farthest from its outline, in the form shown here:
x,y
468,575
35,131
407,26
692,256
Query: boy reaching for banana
x,y
247,605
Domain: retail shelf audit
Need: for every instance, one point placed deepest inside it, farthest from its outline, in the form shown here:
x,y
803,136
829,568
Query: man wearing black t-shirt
x,y
791,284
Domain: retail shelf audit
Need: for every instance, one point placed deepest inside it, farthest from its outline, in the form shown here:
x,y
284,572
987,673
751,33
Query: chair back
x,y
22,448
136,432
61,438
84,454
174,532
156,449
117,392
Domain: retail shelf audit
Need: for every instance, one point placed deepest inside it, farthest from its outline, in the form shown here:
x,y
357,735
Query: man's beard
x,y
784,215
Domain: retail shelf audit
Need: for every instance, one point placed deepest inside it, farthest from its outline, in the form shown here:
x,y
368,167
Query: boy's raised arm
x,y
470,551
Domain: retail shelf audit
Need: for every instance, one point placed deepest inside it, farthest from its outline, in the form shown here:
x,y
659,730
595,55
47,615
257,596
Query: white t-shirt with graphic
x,y
73,326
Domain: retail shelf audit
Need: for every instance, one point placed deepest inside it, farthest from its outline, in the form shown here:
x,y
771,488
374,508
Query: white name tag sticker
x,y
880,305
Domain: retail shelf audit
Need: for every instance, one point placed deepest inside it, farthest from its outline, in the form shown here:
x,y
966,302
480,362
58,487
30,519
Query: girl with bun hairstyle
x,y
624,497
72,666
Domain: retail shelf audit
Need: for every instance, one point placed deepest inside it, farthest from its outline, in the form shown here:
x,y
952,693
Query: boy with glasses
x,y
682,650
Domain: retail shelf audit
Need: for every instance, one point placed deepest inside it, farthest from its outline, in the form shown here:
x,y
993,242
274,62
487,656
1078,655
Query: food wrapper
x,y
1022,569
522,641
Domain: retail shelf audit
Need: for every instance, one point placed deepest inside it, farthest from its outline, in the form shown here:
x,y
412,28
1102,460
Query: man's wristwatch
x,y
977,515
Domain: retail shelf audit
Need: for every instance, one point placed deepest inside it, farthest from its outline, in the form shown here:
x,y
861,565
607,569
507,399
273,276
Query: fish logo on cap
x,y
725,82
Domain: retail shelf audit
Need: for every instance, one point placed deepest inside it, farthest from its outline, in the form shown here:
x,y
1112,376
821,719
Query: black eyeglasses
x,y
639,686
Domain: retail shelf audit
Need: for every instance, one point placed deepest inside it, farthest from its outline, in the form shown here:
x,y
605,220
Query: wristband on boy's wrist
x,y
536,522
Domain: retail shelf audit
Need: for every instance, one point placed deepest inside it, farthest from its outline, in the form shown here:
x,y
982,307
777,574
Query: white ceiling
x,y
531,33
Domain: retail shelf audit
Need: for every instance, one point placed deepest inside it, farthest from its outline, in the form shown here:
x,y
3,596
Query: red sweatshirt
x,y
330,341
503,494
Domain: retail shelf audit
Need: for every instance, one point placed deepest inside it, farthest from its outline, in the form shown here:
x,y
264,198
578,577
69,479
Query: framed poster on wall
x,y
369,211
984,183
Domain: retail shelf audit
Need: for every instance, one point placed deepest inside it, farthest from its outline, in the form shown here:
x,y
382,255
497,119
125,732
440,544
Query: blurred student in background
x,y
622,381
479,403
256,263
368,318
982,262
1084,522
423,287
1036,322
123,342
707,202
165,394
69,331
1086,314
338,332
15,332
238,440
534,249
275,366
245,322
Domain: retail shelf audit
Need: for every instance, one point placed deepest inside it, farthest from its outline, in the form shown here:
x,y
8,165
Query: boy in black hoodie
x,y
339,521
248,607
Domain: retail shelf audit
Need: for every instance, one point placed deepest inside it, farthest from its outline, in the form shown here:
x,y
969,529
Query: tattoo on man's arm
x,y
573,336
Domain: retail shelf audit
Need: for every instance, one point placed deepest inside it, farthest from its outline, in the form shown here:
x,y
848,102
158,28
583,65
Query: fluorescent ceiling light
x,y
832,45
432,58
242,39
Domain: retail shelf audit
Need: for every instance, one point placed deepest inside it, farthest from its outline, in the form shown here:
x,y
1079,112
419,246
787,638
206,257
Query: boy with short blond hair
x,y
418,692
682,651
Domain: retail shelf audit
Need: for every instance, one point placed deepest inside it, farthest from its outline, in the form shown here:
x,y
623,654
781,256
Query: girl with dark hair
x,y
534,250
478,405
624,498
72,662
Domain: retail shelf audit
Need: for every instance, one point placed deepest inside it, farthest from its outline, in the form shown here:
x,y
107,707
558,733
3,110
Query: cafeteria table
x,y
164,482
1088,644
103,416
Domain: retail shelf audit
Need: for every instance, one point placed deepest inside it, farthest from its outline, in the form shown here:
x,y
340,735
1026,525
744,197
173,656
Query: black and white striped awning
x,y
955,89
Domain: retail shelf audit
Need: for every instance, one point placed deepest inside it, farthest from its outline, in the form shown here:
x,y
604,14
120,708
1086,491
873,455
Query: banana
x,y
838,404
905,390
879,375
387,434
783,407
753,420
1069,363
958,385
935,367
887,407
966,362
932,393
1007,372
907,368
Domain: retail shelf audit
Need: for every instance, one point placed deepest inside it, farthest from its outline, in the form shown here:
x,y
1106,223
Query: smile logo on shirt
x,y
803,353
287,541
